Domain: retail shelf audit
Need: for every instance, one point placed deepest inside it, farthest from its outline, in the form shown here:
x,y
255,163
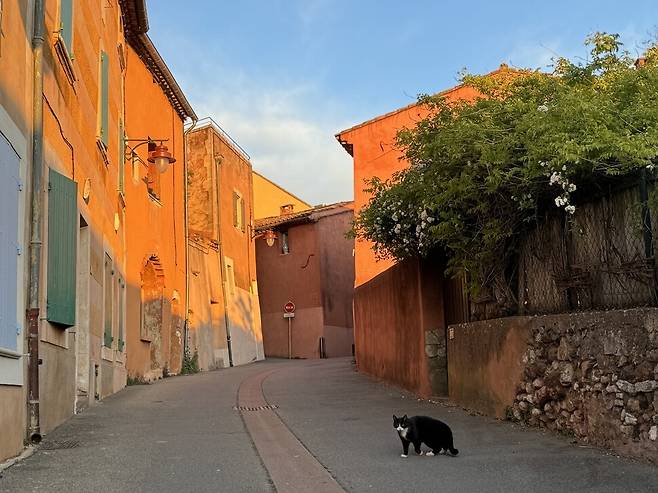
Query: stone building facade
x,y
224,317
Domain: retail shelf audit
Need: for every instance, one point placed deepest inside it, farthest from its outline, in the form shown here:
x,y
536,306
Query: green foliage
x,y
134,380
481,172
190,364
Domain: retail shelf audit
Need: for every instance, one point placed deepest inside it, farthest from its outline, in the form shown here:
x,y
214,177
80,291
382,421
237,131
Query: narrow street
x,y
332,430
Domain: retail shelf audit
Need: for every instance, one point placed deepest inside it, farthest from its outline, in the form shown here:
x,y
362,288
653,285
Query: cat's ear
x,y
404,417
395,417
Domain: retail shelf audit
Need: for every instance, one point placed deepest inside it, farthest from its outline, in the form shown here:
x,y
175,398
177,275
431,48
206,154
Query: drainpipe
x,y
186,344
36,224
227,318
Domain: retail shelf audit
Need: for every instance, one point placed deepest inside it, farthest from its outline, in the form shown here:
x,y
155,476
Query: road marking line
x,y
291,466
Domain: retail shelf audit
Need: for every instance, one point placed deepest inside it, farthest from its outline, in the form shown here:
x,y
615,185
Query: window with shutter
x,y
103,111
9,196
62,247
236,202
66,25
121,299
242,215
109,291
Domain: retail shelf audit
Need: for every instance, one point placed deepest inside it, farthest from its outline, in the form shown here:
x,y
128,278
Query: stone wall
x,y
593,376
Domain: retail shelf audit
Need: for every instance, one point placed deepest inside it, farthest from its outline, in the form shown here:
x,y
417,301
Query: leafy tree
x,y
482,172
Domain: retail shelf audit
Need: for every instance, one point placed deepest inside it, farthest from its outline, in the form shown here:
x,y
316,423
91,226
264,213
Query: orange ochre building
x,y
401,310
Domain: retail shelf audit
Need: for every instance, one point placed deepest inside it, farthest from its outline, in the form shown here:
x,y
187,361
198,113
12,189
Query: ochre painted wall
x,y
155,226
375,155
71,129
15,129
318,276
269,197
216,171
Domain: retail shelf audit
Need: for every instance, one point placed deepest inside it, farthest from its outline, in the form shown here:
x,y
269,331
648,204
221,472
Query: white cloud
x,y
288,132
535,55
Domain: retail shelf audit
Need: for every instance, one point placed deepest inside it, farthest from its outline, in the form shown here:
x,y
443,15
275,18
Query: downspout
x,y
227,319
186,330
36,224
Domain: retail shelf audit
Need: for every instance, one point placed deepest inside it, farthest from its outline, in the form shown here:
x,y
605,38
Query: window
x,y
103,103
283,241
238,212
66,25
9,194
62,246
108,288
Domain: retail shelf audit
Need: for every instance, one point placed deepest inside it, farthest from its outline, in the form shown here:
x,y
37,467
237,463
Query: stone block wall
x,y
593,376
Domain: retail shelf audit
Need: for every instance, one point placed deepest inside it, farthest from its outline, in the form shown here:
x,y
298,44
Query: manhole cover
x,y
256,408
59,444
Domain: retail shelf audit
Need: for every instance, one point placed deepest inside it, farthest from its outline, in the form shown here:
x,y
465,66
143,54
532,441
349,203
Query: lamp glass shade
x,y
162,163
270,236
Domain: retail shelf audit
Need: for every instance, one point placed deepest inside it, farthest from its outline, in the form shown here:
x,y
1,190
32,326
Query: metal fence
x,y
601,258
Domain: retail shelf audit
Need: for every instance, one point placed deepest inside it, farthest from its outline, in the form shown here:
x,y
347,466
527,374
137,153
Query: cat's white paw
x,y
420,453
429,454
403,456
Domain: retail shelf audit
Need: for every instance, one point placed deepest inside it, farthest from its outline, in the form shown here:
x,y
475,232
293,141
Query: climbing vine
x,y
483,171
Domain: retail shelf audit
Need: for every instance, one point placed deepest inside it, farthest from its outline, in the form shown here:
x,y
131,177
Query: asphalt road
x,y
183,434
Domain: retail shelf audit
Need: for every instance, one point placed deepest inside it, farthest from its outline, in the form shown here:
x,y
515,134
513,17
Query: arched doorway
x,y
153,309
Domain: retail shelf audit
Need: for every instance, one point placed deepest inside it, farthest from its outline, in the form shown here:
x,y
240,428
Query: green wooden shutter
x,y
66,24
104,102
122,314
236,199
62,246
243,218
108,279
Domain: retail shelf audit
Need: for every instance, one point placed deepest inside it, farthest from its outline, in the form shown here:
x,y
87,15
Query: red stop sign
x,y
289,307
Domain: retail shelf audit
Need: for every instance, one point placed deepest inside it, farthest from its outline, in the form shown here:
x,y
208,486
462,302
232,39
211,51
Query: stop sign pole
x,y
289,313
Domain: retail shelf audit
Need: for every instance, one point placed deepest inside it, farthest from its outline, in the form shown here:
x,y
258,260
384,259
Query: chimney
x,y
287,209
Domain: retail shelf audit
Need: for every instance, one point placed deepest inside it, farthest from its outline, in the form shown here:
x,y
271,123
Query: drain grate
x,y
268,407
58,444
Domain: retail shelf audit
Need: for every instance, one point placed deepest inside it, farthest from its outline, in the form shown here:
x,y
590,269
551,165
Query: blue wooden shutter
x,y
66,24
9,188
104,102
62,246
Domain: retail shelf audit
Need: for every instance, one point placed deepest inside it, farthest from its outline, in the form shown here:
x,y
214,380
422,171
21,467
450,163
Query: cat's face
x,y
400,424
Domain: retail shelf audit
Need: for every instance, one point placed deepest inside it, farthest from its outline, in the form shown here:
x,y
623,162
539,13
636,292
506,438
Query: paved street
x,y
332,430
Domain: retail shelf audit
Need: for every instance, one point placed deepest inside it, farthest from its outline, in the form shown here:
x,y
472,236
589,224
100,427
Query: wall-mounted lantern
x,y
269,236
160,155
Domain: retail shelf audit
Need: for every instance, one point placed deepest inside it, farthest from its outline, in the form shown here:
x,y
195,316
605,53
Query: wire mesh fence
x,y
600,258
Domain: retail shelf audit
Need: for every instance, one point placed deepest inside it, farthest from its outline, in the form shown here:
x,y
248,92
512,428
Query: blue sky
x,y
282,77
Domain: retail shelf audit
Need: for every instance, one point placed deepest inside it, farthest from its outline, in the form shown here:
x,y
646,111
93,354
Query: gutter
x,y
36,224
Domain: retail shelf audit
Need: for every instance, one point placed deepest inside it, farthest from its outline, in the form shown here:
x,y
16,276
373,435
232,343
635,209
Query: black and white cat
x,y
423,429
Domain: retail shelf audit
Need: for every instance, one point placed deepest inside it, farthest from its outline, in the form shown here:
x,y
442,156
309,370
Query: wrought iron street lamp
x,y
159,155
